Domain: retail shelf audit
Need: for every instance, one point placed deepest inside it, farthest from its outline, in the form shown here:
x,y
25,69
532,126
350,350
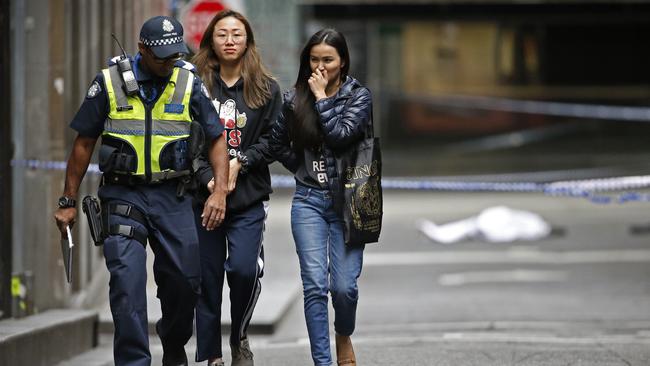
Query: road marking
x,y
543,338
642,327
517,275
509,256
476,337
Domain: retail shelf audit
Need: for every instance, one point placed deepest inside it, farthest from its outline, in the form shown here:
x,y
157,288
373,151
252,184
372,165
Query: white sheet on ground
x,y
495,224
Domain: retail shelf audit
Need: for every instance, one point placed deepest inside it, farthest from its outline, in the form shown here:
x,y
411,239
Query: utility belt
x,y
182,179
135,180
99,224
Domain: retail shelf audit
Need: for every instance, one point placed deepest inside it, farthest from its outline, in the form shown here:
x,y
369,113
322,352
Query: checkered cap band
x,y
161,42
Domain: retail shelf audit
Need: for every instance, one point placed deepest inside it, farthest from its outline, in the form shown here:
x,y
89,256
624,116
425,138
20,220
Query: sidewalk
x,y
48,337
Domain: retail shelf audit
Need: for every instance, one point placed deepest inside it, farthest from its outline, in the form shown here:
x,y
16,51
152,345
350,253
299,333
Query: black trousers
x,y
234,249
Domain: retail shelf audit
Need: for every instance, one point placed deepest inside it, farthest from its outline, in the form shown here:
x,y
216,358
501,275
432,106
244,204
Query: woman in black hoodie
x,y
248,101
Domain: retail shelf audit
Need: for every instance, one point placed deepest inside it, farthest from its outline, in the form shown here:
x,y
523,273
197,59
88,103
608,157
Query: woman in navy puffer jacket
x,y
326,113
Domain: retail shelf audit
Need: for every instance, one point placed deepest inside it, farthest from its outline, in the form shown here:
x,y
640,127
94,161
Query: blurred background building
x,y
460,87
444,75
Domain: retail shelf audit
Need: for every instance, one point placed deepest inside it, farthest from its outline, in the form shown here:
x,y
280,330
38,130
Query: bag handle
x,y
371,125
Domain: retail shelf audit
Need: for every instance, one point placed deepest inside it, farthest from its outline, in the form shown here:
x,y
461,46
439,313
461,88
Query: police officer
x,y
145,130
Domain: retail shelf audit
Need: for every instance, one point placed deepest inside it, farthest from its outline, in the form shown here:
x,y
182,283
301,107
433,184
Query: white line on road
x,y
517,275
618,326
509,256
544,338
477,337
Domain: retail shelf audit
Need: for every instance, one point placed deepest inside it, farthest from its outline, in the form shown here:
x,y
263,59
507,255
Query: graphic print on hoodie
x,y
247,131
233,121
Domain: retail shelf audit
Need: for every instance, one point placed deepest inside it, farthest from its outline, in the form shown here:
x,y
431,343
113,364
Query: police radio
x,y
124,65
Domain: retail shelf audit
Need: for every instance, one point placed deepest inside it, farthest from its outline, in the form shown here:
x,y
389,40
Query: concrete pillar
x,y
56,132
41,243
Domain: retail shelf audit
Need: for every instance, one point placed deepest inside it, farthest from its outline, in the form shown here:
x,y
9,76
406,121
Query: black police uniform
x,y
166,220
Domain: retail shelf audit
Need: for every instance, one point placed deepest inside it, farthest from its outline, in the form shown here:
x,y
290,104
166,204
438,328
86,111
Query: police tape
x,y
49,165
558,109
584,188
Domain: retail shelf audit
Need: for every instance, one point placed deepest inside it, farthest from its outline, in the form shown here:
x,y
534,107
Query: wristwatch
x,y
67,202
243,160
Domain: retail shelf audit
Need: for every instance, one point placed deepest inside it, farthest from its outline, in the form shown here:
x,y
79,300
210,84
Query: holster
x,y
124,210
98,220
91,207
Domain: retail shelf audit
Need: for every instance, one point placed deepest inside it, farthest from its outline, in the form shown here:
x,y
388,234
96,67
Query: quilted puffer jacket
x,y
344,120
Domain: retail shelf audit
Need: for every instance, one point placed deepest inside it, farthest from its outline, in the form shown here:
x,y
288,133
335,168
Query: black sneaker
x,y
174,358
242,354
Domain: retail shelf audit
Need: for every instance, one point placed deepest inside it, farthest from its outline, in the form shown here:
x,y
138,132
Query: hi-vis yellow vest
x,y
169,118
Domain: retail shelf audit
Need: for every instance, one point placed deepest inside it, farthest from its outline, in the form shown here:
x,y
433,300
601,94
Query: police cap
x,y
164,36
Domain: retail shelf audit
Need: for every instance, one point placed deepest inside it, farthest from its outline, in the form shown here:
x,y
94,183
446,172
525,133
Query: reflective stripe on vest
x,y
170,115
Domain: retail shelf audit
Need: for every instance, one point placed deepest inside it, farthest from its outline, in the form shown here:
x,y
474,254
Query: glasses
x,y
237,38
172,58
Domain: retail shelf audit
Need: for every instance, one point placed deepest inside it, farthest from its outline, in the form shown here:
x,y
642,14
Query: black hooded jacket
x,y
248,131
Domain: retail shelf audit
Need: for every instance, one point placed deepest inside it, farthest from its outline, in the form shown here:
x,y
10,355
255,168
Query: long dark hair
x,y
257,79
304,130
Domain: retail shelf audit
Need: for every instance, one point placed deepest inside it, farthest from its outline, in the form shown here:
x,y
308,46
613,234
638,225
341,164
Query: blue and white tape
x,y
584,188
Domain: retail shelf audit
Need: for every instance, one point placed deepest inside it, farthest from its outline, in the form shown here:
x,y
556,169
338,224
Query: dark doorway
x,y
5,162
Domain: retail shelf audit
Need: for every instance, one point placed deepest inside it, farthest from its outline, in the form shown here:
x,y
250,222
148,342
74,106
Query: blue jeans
x,y
326,264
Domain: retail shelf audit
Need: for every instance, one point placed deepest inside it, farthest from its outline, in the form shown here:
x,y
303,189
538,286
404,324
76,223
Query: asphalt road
x,y
578,297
